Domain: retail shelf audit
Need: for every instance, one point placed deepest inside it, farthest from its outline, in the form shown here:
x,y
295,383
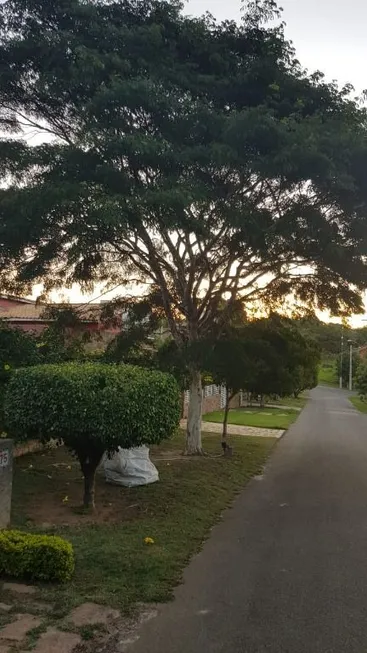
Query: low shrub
x,y
35,557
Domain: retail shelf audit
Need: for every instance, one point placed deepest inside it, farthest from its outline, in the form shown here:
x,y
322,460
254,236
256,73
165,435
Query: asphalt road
x,y
286,570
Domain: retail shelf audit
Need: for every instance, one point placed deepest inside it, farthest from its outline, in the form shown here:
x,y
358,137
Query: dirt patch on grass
x,y
48,491
115,566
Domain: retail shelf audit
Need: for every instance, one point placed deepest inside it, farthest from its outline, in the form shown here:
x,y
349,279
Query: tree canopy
x,y
17,349
140,321
194,156
268,356
280,361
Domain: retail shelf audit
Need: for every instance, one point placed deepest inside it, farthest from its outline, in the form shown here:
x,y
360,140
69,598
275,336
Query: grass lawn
x,y
270,418
327,373
113,565
359,404
293,402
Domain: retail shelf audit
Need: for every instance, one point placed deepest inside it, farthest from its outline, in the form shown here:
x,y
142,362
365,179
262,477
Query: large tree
x,y
195,156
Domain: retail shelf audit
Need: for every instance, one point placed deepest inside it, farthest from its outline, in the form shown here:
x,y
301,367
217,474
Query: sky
x,y
328,35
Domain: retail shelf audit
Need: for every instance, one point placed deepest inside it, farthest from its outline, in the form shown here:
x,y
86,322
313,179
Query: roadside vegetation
x,y
200,171
327,373
359,403
208,168
291,402
114,565
269,418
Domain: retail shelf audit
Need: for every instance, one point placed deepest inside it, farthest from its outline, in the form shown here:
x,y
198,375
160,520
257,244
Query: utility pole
x,y
350,343
341,359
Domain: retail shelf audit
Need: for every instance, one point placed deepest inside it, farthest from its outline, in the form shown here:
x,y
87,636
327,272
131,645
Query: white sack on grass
x,y
130,467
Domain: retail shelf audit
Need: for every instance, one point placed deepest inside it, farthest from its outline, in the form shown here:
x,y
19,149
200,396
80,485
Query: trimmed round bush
x,y
93,408
36,557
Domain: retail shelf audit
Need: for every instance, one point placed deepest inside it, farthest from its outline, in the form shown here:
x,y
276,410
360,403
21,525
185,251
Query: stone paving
x,y
5,607
235,429
90,614
19,588
57,641
17,629
85,629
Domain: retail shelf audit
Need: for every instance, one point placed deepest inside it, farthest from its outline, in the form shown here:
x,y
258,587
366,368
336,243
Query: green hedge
x,y
92,405
92,408
35,557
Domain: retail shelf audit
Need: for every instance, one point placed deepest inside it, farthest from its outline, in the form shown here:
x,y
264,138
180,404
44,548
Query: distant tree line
x,y
328,335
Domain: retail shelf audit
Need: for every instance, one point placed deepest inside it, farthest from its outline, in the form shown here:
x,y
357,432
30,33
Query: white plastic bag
x,y
130,467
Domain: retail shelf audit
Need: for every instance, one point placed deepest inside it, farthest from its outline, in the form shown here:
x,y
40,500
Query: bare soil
x,y
54,485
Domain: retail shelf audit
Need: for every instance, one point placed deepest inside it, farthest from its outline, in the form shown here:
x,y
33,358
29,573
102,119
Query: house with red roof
x,y
30,315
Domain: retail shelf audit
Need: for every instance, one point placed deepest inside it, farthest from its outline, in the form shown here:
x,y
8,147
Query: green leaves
x,y
177,149
17,349
36,557
265,356
361,375
92,407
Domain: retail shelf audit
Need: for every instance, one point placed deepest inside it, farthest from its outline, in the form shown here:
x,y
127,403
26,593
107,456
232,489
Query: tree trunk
x,y
89,464
182,405
225,418
89,489
193,433
262,401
